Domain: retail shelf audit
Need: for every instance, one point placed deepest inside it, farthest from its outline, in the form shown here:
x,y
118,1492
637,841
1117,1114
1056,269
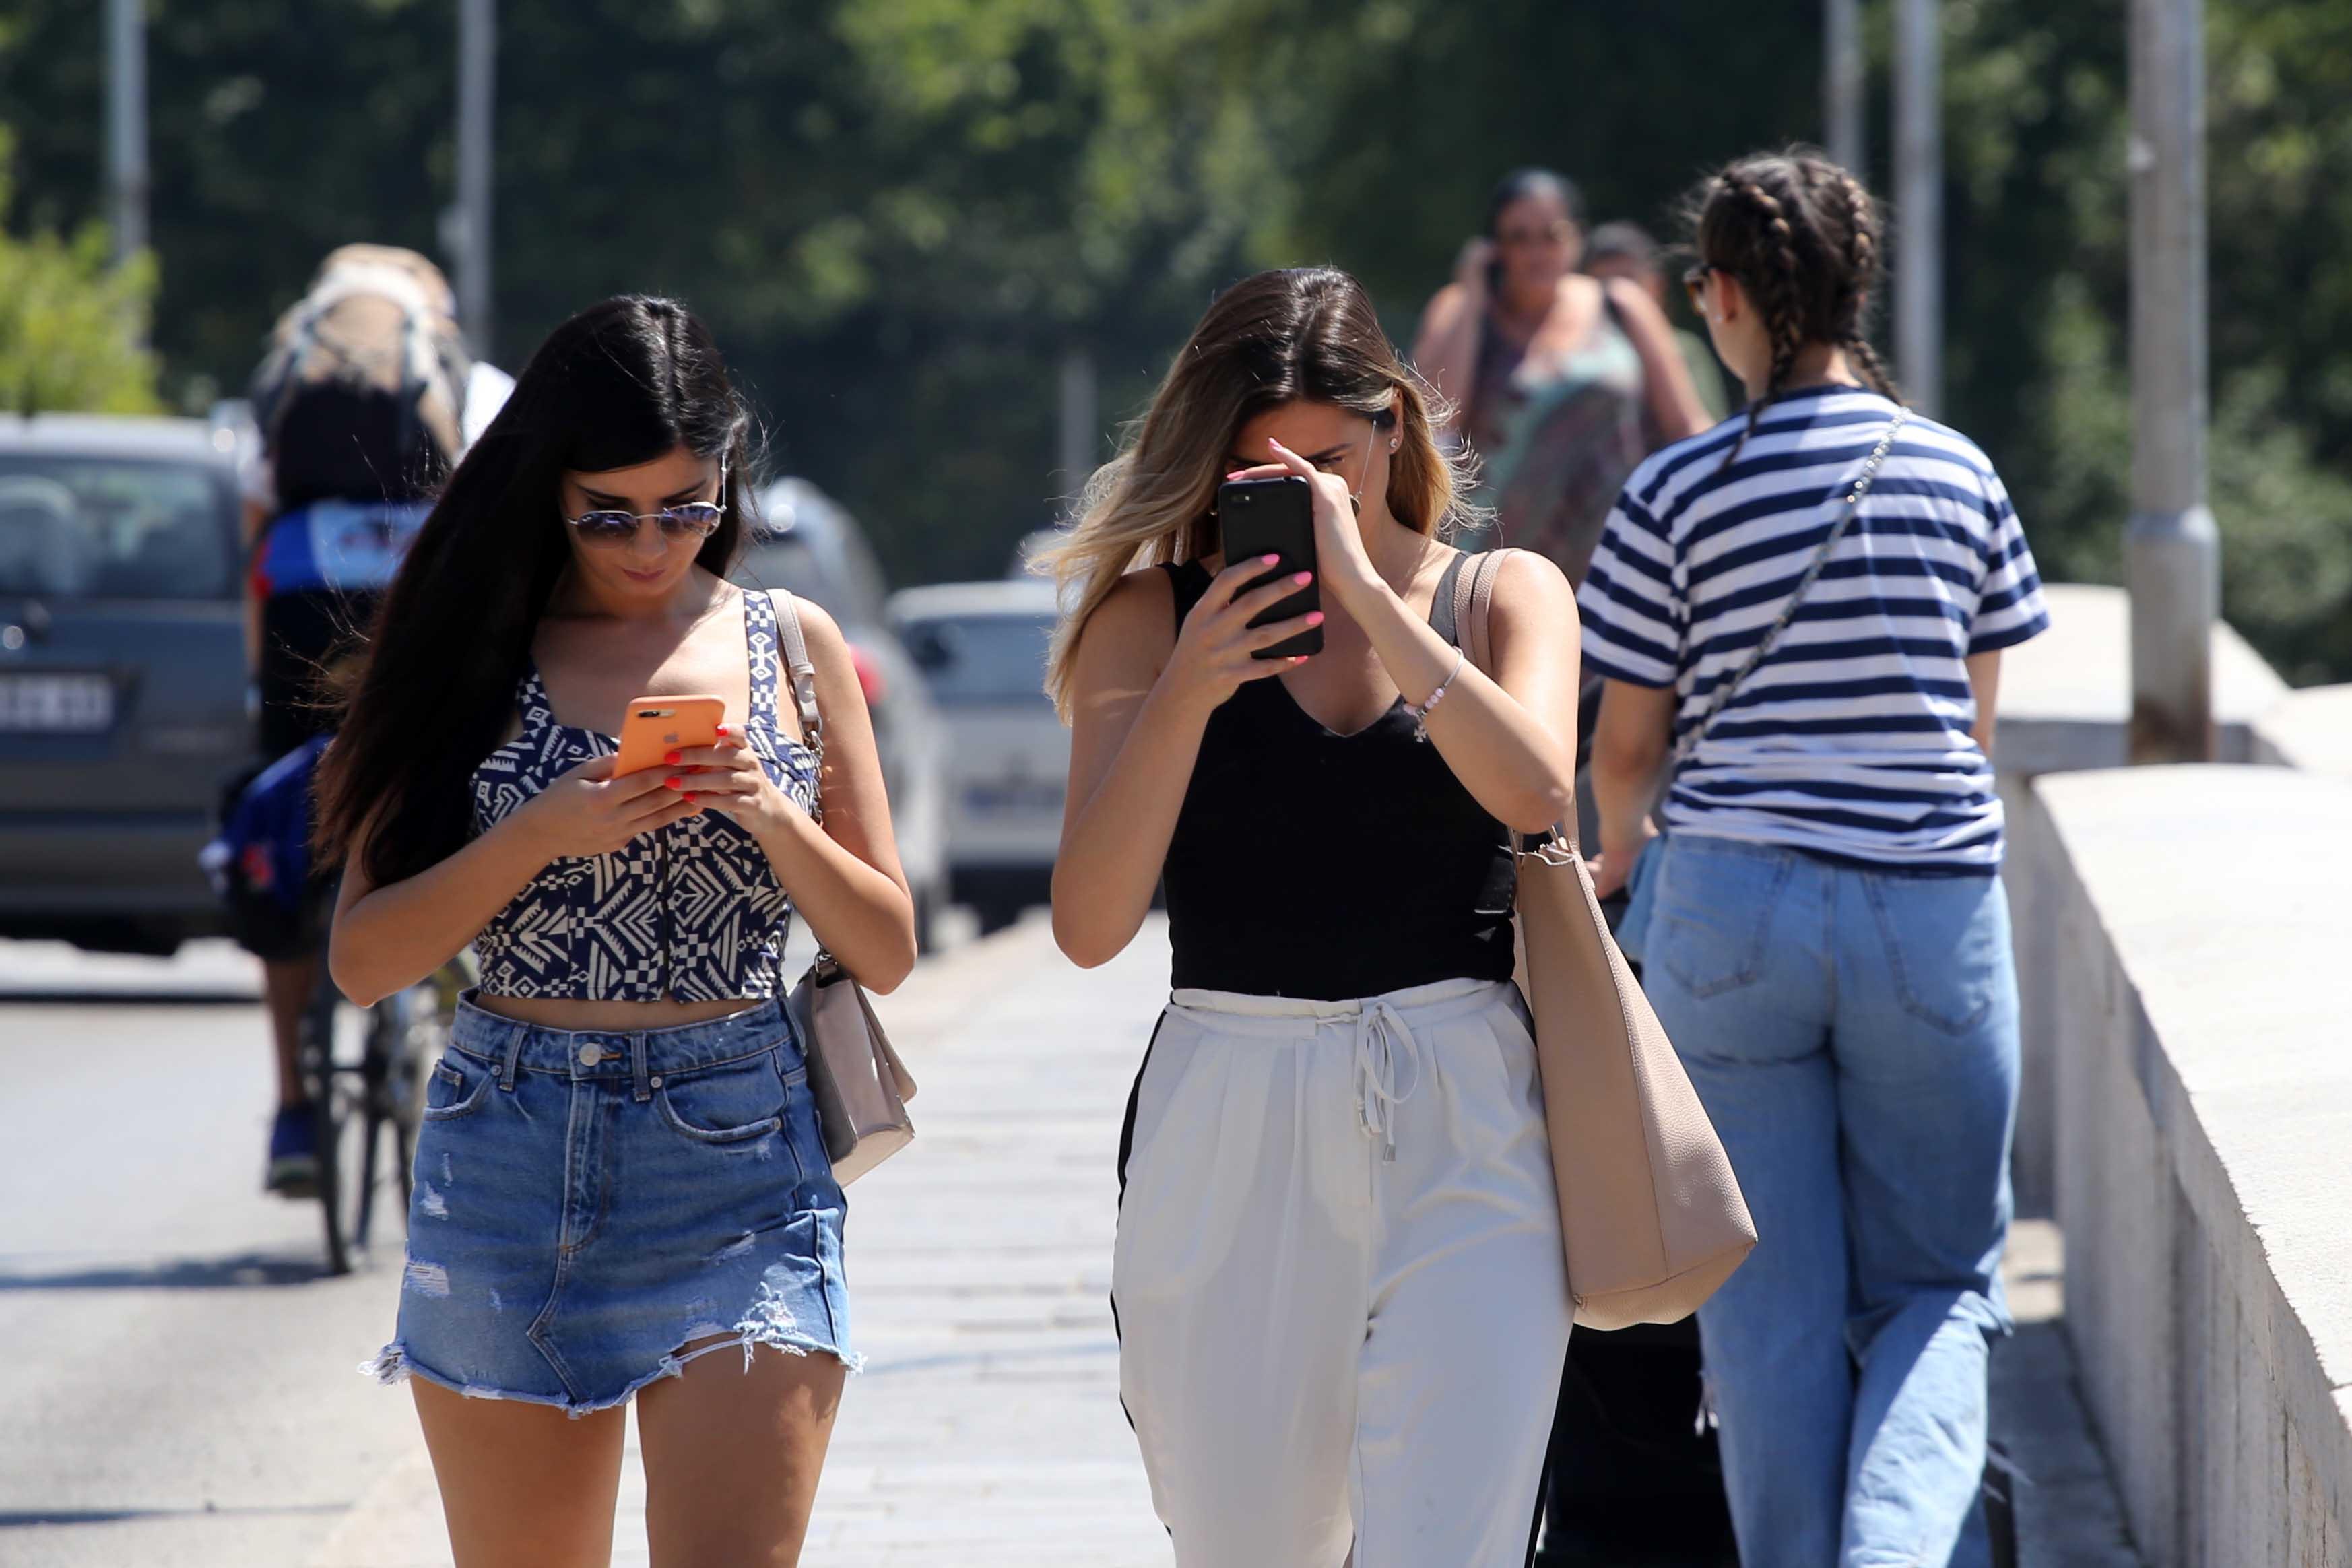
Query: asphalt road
x,y
177,1372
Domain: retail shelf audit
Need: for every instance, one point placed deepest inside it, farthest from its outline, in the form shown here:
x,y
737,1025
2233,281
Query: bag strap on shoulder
x,y
1771,637
792,649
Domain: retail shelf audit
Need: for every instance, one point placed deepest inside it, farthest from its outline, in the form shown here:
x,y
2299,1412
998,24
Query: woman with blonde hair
x,y
1338,1277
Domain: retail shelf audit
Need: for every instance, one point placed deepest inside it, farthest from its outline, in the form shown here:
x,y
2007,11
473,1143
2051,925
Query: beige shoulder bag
x,y
861,1086
1649,1209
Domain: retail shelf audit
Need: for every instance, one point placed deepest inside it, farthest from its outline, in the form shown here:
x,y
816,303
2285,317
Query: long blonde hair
x,y
1304,335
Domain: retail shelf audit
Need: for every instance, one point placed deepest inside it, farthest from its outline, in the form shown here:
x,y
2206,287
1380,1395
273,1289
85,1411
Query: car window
x,y
971,659
786,562
114,528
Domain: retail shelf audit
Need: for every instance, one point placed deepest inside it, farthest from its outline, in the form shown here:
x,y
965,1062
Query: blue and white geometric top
x,y
690,912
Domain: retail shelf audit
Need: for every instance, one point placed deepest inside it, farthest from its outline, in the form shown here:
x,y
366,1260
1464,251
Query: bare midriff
x,y
571,1013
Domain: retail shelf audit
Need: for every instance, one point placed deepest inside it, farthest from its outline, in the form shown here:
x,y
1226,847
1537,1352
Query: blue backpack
x,y
261,862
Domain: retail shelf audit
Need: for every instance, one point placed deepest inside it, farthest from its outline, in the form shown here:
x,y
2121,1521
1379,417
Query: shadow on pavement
x,y
242,1271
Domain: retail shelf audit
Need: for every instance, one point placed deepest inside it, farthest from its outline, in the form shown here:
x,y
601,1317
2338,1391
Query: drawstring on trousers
x,y
1382,1036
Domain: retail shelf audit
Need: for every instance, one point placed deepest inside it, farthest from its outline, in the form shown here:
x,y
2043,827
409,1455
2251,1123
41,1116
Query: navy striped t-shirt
x,y
1851,740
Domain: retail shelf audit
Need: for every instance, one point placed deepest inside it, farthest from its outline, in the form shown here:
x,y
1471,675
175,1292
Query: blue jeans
x,y
1853,1036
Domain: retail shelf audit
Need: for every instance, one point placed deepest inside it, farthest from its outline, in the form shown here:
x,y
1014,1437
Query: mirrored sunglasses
x,y
687,520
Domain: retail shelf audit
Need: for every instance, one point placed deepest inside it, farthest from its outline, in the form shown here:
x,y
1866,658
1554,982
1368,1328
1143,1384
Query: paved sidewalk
x,y
986,1428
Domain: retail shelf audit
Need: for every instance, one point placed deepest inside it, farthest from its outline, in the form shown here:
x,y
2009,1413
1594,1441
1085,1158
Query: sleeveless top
x,y
1330,866
690,912
1557,434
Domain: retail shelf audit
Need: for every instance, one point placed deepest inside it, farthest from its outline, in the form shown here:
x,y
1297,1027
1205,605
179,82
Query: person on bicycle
x,y
359,404
622,1190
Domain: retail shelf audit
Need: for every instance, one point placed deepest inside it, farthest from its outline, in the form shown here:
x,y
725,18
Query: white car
x,y
982,647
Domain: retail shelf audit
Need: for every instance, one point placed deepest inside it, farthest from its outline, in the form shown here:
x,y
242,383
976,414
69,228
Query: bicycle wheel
x,y
323,1082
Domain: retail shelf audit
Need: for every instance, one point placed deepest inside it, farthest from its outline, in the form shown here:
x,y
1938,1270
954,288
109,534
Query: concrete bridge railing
x,y
2185,956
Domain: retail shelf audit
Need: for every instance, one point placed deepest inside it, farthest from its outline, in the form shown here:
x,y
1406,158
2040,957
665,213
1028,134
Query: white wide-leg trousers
x,y
1343,1310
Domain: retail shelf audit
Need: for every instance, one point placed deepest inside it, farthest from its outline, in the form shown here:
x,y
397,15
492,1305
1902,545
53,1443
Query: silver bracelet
x,y
1421,710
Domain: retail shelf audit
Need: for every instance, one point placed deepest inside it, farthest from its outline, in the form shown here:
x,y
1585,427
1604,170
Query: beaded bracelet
x,y
1421,710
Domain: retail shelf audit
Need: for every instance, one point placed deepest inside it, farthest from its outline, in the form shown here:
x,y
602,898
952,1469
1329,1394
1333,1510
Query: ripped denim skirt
x,y
593,1209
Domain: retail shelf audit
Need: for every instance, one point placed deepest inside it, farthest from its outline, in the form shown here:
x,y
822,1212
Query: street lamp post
x,y
1841,84
126,125
2172,549
1919,203
476,98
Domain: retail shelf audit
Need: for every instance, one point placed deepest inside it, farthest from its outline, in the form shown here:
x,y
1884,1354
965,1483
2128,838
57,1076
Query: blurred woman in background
x,y
1552,374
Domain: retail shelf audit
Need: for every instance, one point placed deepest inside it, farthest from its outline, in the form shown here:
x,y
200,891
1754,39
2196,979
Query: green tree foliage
x,y
901,214
70,321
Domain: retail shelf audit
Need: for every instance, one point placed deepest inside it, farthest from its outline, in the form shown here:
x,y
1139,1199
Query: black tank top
x,y
1330,866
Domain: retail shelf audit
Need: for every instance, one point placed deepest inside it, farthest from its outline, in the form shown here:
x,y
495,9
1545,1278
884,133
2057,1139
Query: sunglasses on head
x,y
685,520
1695,285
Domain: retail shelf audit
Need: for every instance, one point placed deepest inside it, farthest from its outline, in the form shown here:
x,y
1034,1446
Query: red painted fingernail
x,y
689,796
726,731
672,758
673,783
1304,578
1314,618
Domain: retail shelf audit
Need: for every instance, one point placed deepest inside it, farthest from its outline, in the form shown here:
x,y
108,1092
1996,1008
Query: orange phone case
x,y
655,726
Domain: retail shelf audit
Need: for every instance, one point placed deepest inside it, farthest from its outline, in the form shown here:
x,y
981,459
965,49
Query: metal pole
x,y
126,125
477,83
1919,203
1841,84
1081,433
2172,549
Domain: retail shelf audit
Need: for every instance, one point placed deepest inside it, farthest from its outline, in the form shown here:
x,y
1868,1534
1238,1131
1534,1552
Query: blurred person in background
x,y
1626,250
1553,377
360,407
1823,934
621,1190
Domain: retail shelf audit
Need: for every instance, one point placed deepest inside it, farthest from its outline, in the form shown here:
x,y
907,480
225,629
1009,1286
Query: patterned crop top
x,y
690,912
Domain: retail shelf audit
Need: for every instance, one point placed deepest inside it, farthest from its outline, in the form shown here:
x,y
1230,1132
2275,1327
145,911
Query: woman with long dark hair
x,y
1806,607
1339,1279
1556,377
621,1188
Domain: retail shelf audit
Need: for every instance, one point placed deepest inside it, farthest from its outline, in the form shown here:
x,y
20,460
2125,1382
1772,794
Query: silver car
x,y
983,646
806,543
123,678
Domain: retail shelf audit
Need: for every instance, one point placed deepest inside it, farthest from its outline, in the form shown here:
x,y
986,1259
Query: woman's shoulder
x,y
1146,602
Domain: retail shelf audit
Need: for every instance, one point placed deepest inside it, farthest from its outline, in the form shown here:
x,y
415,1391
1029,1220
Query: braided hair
x,y
1802,236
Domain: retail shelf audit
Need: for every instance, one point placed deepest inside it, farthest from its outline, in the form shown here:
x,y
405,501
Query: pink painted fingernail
x,y
1267,560
1304,578
1314,618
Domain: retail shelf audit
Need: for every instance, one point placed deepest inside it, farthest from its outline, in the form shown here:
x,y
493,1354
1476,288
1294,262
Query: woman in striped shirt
x,y
1824,936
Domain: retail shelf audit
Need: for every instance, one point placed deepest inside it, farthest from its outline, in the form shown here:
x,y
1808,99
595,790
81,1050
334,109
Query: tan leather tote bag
x,y
860,1085
1649,1209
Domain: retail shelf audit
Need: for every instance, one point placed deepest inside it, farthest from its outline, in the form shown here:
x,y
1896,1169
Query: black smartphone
x,y
1274,516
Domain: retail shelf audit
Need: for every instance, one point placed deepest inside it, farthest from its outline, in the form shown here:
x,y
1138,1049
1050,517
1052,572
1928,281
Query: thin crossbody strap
x,y
1757,655
793,649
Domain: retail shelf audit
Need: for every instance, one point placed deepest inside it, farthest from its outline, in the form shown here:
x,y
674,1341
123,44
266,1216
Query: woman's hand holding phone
x,y
1474,267
1345,569
726,778
587,811
1216,648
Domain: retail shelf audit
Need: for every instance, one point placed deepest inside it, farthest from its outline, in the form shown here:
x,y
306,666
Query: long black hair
x,y
620,384
1801,235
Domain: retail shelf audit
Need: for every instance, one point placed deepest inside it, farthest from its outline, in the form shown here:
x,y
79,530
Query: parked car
x,y
984,646
122,679
806,543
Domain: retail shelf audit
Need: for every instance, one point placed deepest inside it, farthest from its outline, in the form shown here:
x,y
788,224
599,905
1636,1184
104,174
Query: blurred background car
x,y
804,542
122,679
983,646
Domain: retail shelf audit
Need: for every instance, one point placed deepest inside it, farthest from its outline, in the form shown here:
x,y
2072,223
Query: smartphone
x,y
1275,516
656,726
